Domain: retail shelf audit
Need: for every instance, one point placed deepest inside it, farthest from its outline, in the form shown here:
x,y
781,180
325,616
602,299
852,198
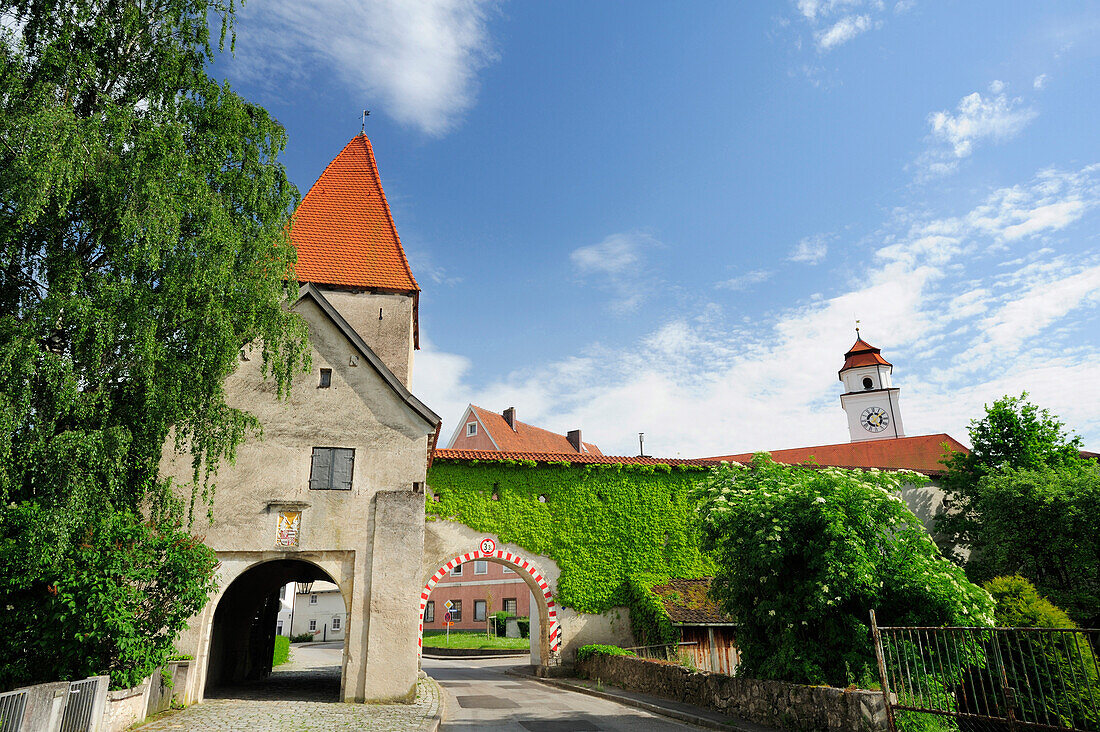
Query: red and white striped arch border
x,y
518,563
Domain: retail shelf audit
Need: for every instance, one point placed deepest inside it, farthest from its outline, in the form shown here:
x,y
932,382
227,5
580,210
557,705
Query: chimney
x,y
509,415
574,437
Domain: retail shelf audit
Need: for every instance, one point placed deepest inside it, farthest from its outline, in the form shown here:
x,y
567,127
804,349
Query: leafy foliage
x,y
143,243
595,649
804,553
602,524
1024,502
648,618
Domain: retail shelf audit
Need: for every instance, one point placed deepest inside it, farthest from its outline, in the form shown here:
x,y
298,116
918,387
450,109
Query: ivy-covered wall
x,y
612,529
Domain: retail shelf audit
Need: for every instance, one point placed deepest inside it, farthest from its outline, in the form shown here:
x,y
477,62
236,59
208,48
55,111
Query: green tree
x,y
143,243
1023,501
804,553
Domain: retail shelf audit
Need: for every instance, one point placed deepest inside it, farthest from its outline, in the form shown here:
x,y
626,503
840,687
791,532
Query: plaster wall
x,y
391,336
337,528
854,404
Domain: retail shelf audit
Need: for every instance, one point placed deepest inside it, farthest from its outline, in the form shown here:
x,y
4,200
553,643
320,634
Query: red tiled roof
x,y
525,437
862,353
575,458
921,453
686,602
343,229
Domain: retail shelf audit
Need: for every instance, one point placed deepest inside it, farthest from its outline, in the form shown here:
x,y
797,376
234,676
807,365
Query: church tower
x,y
349,248
869,399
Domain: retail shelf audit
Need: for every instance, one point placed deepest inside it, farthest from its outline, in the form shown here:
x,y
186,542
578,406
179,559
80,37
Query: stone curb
x,y
656,709
473,653
437,720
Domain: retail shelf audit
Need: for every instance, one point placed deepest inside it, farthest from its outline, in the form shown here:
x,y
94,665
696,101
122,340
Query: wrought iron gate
x,y
991,678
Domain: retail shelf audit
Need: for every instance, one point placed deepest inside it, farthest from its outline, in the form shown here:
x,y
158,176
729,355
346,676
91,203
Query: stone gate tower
x,y
334,489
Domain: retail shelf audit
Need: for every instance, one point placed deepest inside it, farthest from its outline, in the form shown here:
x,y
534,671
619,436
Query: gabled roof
x,y
310,292
921,454
343,229
862,353
687,603
572,457
525,437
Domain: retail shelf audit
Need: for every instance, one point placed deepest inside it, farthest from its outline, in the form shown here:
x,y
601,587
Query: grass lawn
x,y
473,639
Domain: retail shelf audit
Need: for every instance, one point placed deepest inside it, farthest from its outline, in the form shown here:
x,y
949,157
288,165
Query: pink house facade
x,y
476,590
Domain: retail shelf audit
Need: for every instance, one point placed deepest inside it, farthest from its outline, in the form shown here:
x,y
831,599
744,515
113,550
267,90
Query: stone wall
x,y
774,703
125,707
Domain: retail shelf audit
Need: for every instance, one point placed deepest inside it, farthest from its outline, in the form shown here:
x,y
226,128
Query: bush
x,y
1065,667
595,649
302,638
282,650
500,622
804,553
524,627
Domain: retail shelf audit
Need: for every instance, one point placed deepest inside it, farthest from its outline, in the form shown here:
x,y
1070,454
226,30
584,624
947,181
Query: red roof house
x,y
480,429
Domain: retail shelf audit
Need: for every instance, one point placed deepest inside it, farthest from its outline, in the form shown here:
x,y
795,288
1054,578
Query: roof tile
x,y
575,458
525,437
686,601
921,453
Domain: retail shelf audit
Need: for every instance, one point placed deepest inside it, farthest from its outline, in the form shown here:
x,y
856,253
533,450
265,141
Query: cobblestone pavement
x,y
296,700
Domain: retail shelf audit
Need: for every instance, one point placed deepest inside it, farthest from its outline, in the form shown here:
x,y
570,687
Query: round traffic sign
x,y
488,546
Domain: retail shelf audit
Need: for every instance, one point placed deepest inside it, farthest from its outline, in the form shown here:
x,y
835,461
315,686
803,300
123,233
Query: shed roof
x,y
687,603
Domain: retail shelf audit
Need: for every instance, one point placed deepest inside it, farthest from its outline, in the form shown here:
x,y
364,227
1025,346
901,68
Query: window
x,y
313,599
481,567
510,605
429,612
479,610
868,383
471,429
331,469
326,379
335,623
312,625
508,570
282,592
456,611
457,571
279,628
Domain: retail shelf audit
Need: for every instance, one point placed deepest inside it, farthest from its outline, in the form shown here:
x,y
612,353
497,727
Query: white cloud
x,y
415,60
615,264
994,117
810,249
1040,81
832,23
960,331
745,281
842,31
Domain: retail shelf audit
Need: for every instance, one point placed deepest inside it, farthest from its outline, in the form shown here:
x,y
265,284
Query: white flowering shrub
x,y
804,553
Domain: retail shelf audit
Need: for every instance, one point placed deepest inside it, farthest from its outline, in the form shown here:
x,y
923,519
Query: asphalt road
x,y
480,696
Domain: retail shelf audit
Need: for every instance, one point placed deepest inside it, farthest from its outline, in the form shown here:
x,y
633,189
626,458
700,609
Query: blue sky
x,y
666,217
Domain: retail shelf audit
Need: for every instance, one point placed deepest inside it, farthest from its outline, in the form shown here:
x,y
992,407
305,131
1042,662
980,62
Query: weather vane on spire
x,y
366,113
857,329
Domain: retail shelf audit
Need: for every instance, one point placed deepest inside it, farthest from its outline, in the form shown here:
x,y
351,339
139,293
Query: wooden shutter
x,y
320,473
343,464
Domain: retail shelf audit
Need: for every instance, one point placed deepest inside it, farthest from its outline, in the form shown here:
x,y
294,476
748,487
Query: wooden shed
x,y
707,636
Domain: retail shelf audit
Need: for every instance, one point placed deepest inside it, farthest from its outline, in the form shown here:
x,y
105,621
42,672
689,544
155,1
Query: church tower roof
x,y
862,353
343,229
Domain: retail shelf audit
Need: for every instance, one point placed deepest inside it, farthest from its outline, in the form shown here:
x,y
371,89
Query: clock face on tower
x,y
874,419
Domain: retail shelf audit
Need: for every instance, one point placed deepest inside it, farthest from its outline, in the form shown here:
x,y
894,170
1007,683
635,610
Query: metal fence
x,y
991,678
80,706
12,706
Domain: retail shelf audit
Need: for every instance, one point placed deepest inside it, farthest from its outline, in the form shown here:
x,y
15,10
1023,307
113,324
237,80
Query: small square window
x,y
507,570
331,468
457,571
313,599
471,429
479,610
510,605
312,625
481,567
456,611
429,612
336,623
326,379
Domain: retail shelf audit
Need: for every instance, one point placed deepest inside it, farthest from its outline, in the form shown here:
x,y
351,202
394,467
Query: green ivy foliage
x,y
602,524
804,553
648,617
595,649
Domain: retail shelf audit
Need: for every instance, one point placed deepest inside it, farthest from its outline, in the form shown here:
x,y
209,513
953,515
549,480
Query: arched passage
x,y
549,633
242,635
